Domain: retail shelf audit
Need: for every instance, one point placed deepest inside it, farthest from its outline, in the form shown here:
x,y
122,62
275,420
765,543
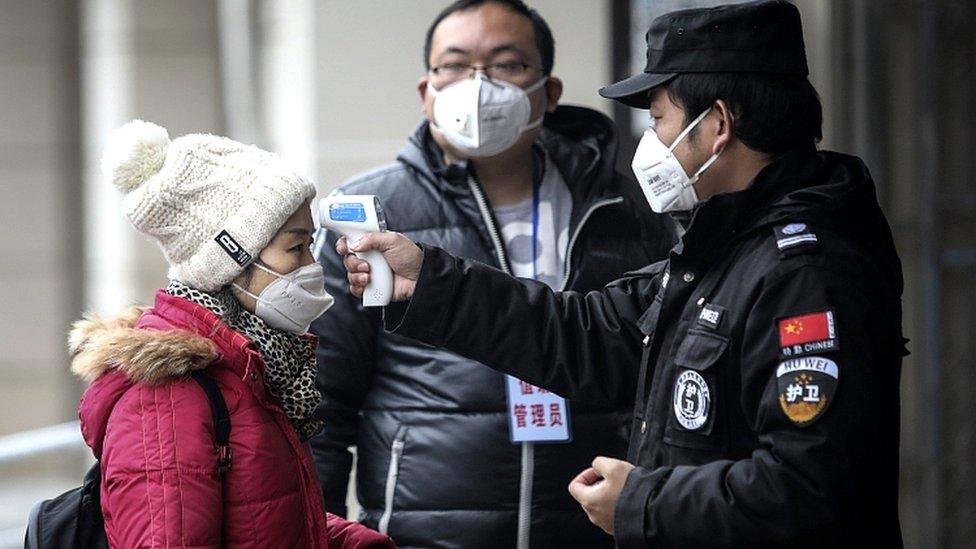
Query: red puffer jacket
x,y
151,427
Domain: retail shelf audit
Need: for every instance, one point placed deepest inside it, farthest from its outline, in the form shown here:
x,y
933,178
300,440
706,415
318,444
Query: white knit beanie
x,y
210,202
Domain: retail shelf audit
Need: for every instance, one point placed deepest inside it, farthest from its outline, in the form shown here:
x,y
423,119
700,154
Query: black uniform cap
x,y
761,37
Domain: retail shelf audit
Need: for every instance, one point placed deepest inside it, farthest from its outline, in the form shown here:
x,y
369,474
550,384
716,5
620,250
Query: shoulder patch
x,y
795,238
807,334
806,387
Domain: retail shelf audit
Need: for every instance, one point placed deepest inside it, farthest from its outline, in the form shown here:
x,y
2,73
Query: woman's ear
x,y
725,131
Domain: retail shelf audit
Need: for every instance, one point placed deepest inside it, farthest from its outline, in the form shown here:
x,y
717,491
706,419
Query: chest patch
x,y
806,386
692,400
711,316
807,334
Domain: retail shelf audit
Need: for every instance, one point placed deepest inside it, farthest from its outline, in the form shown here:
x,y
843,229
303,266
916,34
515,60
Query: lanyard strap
x,y
536,184
538,173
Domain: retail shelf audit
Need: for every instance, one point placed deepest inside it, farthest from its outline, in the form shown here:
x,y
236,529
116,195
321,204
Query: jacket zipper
x,y
525,496
528,449
496,241
396,454
579,228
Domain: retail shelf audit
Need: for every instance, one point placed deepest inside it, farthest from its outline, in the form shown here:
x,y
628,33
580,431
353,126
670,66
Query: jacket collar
x,y
234,348
728,216
828,190
152,345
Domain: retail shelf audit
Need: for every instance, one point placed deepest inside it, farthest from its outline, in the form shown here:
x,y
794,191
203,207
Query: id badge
x,y
535,414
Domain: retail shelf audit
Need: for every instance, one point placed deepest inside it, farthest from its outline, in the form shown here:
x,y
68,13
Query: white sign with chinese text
x,y
535,414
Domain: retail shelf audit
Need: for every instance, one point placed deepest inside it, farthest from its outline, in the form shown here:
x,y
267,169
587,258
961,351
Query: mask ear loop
x,y
258,298
263,268
690,182
538,121
533,125
537,85
433,91
269,271
711,160
704,167
684,133
245,292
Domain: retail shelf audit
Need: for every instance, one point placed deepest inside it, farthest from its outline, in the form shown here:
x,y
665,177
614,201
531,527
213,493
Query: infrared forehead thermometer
x,y
353,216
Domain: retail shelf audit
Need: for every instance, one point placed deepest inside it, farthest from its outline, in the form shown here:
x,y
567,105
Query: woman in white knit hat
x,y
235,226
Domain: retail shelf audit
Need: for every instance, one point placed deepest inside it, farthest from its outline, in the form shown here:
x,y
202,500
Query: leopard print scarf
x,y
291,368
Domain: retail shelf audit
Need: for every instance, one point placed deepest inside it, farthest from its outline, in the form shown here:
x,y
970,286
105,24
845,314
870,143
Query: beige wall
x,y
174,82
38,242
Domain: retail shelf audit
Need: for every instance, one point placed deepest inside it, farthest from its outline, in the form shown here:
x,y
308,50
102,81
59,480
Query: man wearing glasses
x,y
450,453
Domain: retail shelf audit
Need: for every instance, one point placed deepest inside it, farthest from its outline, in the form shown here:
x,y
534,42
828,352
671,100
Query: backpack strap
x,y
221,419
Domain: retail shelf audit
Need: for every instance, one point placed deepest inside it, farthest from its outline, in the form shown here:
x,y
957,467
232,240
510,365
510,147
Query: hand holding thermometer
x,y
353,216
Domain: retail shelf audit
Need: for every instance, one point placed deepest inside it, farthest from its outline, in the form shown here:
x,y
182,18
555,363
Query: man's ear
x,y
422,90
554,90
724,132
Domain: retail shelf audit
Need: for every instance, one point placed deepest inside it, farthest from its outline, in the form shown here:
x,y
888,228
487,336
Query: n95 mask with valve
x,y
482,117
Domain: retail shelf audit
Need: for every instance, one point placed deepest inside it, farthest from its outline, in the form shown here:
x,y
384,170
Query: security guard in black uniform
x,y
765,353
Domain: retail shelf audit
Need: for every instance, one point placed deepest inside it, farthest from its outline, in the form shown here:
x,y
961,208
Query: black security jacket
x,y
429,425
748,475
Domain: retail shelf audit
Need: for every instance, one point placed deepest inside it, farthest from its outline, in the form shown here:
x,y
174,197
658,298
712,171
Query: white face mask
x,y
665,184
292,301
482,117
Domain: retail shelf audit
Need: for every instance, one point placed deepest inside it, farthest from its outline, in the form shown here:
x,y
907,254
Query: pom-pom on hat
x,y
210,202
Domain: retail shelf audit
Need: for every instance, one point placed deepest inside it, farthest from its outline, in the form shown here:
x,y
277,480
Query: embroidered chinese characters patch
x,y
807,386
807,334
692,400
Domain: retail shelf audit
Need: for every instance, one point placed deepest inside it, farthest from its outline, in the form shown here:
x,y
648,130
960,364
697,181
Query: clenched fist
x,y
598,488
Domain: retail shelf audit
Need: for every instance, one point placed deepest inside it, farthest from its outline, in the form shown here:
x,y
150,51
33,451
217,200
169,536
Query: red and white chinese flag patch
x,y
808,333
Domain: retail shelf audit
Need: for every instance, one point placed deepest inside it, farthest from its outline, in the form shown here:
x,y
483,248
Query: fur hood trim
x,y
144,355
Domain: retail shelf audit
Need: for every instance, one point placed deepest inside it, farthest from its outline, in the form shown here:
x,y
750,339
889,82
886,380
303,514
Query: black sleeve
x,y
584,347
347,336
804,474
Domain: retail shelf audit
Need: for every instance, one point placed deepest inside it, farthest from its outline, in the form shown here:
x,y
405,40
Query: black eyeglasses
x,y
510,72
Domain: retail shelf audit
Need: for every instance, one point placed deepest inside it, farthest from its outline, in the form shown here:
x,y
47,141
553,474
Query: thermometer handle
x,y
379,291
